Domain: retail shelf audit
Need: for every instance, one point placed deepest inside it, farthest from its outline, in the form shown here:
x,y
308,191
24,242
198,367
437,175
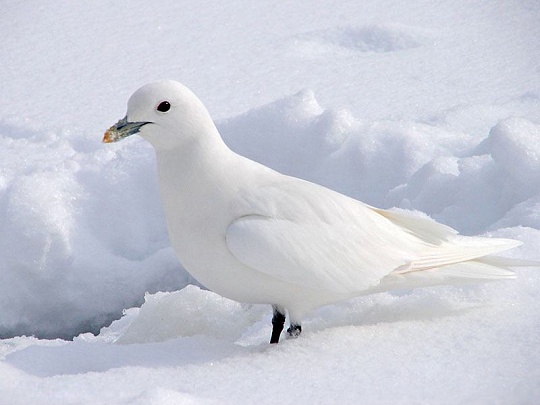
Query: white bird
x,y
255,235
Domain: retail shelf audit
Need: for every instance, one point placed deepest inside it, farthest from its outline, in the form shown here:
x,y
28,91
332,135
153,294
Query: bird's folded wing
x,y
340,258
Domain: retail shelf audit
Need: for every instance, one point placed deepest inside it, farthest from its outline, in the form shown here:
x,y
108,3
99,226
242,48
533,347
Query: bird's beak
x,y
122,129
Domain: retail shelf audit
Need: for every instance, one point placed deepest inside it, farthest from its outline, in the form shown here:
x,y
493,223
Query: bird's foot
x,y
278,320
294,331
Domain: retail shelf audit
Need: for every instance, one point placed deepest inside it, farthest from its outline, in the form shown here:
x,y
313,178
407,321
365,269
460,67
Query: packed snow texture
x,y
416,105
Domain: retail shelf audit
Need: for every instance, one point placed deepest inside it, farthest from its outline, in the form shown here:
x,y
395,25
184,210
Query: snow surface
x,y
429,106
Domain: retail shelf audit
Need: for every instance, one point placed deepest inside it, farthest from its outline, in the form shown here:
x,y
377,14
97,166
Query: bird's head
x,y
165,113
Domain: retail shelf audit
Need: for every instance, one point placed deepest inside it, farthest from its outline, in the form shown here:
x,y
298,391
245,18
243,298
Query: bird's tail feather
x,y
483,269
469,272
506,262
454,259
425,229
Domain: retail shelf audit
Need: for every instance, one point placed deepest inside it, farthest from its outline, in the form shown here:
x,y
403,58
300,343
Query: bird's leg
x,y
278,320
294,330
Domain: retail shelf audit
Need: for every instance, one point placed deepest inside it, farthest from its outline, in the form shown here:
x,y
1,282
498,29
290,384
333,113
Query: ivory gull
x,y
255,235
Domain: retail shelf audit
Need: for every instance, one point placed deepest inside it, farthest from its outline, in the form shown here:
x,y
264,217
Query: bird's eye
x,y
164,106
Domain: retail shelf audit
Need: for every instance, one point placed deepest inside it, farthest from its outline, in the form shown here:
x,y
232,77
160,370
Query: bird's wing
x,y
316,256
317,238
326,241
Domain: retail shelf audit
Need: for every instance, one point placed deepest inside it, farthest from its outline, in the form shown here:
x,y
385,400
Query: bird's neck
x,y
193,160
191,177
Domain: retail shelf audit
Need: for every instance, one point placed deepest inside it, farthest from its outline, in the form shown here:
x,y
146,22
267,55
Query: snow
x,y
419,105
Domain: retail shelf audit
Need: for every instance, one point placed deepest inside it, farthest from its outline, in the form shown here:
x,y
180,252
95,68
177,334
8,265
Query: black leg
x,y
294,330
278,320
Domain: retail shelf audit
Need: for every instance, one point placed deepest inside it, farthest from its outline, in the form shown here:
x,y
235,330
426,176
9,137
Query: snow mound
x,y
190,312
67,201
331,147
473,192
514,145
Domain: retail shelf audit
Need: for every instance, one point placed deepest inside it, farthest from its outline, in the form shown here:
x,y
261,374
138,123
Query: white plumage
x,y
254,235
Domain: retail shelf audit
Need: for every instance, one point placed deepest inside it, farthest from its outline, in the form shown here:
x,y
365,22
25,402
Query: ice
x,y
420,105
